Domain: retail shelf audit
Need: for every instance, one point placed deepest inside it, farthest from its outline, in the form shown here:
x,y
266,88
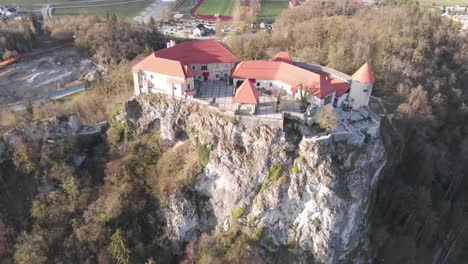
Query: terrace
x,y
221,95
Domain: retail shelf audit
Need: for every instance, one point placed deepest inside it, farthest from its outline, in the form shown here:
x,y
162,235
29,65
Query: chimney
x,y
172,43
168,44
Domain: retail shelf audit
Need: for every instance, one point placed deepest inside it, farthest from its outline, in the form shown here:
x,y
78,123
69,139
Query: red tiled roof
x,y
319,85
283,56
364,74
247,93
163,66
196,52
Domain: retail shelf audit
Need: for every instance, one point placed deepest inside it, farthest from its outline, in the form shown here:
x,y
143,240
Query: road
x,y
40,100
45,7
154,10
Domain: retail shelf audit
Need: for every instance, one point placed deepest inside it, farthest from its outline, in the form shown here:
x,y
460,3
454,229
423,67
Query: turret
x,y
361,87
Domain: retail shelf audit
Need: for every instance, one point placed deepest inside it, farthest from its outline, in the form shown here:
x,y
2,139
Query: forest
x,y
421,66
108,211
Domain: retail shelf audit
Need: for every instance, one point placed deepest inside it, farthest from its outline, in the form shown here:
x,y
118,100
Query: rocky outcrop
x,y
317,204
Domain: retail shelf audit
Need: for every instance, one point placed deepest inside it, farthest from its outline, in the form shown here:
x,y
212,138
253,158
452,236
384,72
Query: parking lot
x,y
222,95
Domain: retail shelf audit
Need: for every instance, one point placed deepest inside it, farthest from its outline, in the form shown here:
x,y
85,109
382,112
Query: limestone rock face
x,y
317,205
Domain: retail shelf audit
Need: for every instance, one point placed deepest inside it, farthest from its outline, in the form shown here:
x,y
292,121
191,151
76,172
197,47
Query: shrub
x,y
39,211
71,187
316,222
118,131
296,169
327,118
299,160
258,234
230,239
31,248
175,169
238,212
273,174
119,248
23,156
203,153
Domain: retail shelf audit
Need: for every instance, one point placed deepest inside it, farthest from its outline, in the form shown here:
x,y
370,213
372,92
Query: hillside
x,y
187,177
171,181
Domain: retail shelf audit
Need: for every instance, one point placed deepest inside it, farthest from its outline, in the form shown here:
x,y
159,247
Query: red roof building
x,y
247,93
173,70
364,74
319,85
163,66
198,52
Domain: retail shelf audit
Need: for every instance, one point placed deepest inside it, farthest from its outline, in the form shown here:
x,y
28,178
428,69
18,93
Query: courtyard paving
x,y
221,95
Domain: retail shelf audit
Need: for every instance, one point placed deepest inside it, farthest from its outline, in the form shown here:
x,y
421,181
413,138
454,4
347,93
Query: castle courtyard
x,y
221,95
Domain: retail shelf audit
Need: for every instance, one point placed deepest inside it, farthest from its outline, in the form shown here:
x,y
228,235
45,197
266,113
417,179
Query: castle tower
x,y
361,87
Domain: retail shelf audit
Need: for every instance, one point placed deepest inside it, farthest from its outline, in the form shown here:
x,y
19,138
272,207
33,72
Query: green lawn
x,y
220,7
271,9
125,10
121,10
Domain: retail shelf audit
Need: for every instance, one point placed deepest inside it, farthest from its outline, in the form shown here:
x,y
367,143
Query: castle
x,y
181,69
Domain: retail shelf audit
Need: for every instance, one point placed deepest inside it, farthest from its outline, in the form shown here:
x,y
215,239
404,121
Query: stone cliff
x,y
309,197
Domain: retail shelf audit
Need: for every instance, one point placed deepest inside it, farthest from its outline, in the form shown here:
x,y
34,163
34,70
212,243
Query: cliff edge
x,y
272,184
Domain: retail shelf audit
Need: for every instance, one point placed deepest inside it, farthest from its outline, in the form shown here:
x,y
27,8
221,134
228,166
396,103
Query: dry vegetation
x,y
109,209
421,66
18,36
110,39
113,43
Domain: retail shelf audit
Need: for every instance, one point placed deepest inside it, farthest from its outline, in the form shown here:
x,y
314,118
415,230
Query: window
x,y
151,76
271,84
217,75
225,66
199,77
258,84
204,67
216,66
193,67
327,99
225,75
365,91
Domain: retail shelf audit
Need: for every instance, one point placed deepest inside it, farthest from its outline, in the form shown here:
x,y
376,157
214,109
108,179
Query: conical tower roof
x,y
247,93
364,74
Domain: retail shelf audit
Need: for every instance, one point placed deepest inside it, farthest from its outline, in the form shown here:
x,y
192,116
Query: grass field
x,y
273,8
220,7
125,10
121,10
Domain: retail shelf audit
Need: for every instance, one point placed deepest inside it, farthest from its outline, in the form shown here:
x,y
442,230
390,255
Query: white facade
x,y
359,94
341,100
197,32
267,84
212,71
275,84
150,82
